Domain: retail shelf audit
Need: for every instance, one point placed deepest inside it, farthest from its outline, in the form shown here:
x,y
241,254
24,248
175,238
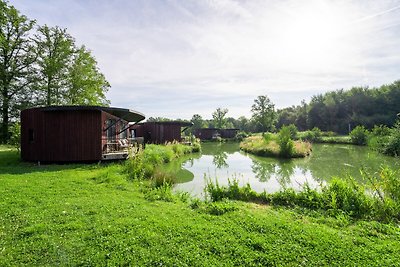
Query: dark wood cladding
x,y
61,136
210,133
228,133
159,132
206,133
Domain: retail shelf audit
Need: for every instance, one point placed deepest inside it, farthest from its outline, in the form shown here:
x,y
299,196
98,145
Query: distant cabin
x,y
160,132
212,133
76,133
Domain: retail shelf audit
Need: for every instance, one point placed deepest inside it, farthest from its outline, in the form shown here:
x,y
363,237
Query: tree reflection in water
x,y
220,153
281,170
219,160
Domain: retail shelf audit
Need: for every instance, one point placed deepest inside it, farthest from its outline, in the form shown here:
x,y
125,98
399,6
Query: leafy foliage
x,y
341,110
264,114
17,57
42,67
15,139
219,117
313,135
285,142
359,135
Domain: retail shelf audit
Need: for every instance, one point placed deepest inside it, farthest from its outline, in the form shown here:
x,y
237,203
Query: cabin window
x,y
123,134
111,129
31,135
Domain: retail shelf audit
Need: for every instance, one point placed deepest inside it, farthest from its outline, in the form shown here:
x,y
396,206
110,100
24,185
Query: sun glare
x,y
311,37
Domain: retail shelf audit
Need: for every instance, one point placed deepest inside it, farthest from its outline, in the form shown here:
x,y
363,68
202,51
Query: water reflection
x,y
224,161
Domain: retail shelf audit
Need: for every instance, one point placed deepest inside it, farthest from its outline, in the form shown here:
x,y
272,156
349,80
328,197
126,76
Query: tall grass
x,y
270,145
143,163
378,199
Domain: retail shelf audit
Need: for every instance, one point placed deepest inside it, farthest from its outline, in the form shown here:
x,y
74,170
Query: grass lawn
x,y
91,215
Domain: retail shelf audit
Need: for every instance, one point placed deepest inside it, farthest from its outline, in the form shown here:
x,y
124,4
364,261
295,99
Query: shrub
x,y
285,142
241,135
392,147
313,135
196,145
293,131
268,137
359,135
346,196
160,178
15,139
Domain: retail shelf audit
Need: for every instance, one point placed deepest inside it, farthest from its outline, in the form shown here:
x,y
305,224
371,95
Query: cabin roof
x,y
181,123
123,113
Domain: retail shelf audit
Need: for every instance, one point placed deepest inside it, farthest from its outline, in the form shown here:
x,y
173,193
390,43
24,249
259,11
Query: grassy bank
x,y
92,215
377,199
260,146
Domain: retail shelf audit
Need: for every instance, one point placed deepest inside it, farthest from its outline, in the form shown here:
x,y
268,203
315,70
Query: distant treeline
x,y
338,111
341,110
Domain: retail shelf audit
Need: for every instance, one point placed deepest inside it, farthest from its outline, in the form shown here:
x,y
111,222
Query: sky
x,y
176,58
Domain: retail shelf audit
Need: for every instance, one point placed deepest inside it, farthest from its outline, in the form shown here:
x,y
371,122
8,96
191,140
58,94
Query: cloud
x,y
176,58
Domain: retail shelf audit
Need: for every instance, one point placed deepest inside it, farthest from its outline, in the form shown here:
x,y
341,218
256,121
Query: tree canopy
x,y
263,113
219,117
43,66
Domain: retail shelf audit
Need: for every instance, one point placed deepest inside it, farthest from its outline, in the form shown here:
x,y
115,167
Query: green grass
x,y
91,215
258,145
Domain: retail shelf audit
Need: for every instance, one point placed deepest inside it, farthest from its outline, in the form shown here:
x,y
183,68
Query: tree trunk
x,y
4,125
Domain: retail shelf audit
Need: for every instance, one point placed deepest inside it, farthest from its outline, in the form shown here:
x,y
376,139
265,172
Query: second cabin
x,y
160,132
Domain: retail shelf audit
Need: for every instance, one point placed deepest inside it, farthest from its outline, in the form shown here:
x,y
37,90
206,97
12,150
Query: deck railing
x,y
121,145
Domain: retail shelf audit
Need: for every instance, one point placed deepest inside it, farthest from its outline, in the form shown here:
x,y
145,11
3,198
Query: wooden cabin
x,y
228,133
76,133
212,133
207,133
160,132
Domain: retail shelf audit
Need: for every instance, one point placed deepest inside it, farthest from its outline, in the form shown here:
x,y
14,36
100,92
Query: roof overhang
x,y
125,114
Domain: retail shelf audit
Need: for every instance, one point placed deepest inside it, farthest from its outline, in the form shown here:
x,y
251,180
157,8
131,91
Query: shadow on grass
x,y
11,163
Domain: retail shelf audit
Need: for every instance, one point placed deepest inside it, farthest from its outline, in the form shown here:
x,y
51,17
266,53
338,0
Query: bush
x,y
346,196
392,146
160,178
285,142
359,135
241,135
15,139
293,131
313,135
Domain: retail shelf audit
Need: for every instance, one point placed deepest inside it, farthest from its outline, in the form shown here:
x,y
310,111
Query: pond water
x,y
224,161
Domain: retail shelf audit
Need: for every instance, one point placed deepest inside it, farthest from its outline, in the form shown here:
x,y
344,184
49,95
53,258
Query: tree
x,y
219,117
264,114
242,123
197,121
55,48
17,59
86,84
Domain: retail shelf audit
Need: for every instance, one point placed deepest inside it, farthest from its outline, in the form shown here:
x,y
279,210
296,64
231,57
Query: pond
x,y
224,161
